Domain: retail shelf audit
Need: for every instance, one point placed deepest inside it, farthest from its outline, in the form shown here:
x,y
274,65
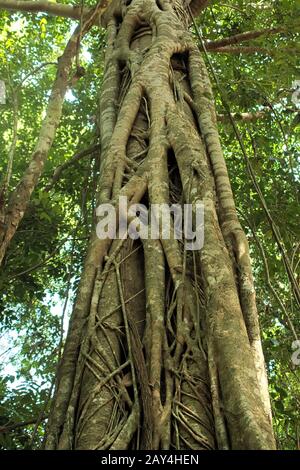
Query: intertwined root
x,y
163,349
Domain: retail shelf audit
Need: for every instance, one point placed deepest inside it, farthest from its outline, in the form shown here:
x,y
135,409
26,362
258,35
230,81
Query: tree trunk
x,y
163,349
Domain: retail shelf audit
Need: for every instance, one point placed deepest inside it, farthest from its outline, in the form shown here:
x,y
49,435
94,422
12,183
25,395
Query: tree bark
x,y
163,349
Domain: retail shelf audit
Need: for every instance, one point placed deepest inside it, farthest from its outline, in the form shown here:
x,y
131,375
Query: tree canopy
x,y
251,50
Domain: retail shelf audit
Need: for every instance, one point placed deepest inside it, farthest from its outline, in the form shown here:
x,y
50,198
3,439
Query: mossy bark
x,y
164,348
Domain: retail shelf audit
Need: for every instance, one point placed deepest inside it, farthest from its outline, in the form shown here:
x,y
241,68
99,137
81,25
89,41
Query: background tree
x,y
184,102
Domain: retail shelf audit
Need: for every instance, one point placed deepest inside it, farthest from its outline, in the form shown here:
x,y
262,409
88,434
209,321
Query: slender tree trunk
x,y
12,214
163,349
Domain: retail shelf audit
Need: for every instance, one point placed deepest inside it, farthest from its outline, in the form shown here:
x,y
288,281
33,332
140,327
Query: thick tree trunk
x,y
163,349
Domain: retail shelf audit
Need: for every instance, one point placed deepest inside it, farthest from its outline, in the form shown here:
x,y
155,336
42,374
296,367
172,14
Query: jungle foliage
x,y
42,267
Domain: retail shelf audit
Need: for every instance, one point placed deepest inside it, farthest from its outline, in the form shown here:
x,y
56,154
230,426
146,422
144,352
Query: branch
x,y
40,264
23,424
255,50
197,6
78,156
243,50
244,117
238,38
254,116
57,9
